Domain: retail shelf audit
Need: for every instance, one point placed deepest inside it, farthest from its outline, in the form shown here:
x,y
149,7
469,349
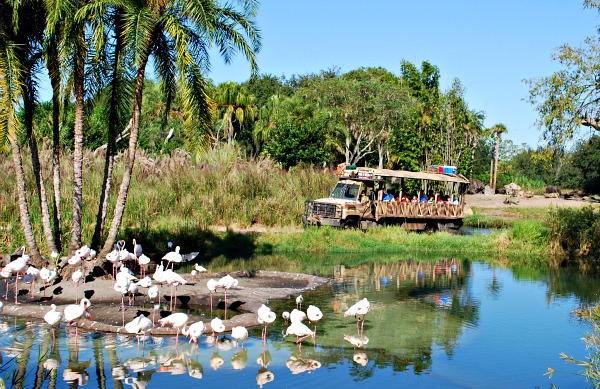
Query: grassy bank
x,y
176,199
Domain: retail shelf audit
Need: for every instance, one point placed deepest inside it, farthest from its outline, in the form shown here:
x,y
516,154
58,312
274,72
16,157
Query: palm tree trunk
x,y
473,148
78,70
28,104
491,168
23,205
111,136
54,72
496,160
133,137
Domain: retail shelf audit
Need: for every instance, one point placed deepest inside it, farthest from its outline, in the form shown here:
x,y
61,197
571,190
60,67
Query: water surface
x,y
444,323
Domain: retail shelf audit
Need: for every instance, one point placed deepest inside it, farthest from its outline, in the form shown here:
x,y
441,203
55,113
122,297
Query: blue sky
x,y
490,46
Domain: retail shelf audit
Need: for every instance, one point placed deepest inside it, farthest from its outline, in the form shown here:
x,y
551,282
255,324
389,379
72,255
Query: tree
x,y
497,130
11,73
291,144
424,86
236,108
569,98
177,35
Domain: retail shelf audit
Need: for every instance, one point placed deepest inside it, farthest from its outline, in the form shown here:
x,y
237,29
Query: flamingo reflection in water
x,y
264,376
216,361
195,369
357,341
239,360
297,364
360,358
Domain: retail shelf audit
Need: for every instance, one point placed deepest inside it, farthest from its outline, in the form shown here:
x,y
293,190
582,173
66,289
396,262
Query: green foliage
x,y
300,143
580,169
531,231
575,232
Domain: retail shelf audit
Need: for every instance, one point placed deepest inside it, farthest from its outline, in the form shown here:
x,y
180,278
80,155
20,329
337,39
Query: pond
x,y
446,323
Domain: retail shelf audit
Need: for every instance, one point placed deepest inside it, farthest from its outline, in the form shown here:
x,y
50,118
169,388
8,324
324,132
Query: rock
x,y
488,191
552,189
476,186
513,190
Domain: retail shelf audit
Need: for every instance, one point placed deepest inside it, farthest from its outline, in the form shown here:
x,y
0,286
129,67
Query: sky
x,y
490,46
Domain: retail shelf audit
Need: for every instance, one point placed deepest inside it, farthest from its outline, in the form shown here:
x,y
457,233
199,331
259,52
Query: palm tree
x,y
235,107
474,129
17,56
177,35
497,130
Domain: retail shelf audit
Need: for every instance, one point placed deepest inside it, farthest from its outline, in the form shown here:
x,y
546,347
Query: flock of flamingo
x,y
127,283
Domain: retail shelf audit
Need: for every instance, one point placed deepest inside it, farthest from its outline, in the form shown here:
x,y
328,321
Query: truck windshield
x,y
345,191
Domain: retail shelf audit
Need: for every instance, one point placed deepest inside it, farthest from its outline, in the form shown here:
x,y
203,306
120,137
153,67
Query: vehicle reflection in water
x,y
424,317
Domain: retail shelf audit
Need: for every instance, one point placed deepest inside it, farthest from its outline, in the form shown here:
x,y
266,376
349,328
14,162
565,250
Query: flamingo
x,y
76,277
299,301
6,273
137,249
75,312
153,293
176,320
297,315
299,329
240,334
140,325
113,257
31,275
53,318
362,307
145,282
194,331
286,317
173,257
314,314
217,327
47,275
265,316
212,286
174,280
199,269
143,261
18,266
132,290
226,283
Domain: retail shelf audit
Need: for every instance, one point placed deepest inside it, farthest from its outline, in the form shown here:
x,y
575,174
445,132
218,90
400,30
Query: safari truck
x,y
367,197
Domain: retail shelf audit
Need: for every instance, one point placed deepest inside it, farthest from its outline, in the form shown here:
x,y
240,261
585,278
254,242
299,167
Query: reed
x,y
171,193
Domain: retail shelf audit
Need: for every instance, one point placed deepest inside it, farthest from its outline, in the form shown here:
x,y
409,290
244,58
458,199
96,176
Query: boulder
x,y
513,190
475,187
553,189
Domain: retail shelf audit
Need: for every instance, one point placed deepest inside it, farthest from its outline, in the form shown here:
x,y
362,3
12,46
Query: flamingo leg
x,y
17,288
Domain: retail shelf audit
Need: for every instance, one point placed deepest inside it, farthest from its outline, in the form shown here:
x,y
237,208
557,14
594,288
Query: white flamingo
x,y
139,326
53,318
300,330
227,282
48,276
299,301
176,320
265,316
76,278
143,261
212,286
173,257
217,327
194,331
75,312
113,257
240,334
17,267
31,276
174,280
360,308
314,314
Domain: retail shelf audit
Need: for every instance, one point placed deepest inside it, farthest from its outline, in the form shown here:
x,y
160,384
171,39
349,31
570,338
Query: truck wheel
x,y
350,224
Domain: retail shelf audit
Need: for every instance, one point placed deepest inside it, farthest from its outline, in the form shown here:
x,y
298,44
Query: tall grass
x,y
171,193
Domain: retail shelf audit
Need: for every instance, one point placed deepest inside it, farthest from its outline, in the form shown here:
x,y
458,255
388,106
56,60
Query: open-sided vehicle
x,y
421,200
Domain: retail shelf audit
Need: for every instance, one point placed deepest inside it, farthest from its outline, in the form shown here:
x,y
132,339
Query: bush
x,y
576,231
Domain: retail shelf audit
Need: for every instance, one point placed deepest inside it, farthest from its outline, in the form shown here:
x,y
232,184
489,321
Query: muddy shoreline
x,y
254,289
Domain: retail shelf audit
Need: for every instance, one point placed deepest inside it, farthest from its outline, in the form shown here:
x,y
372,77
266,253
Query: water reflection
x,y
437,318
